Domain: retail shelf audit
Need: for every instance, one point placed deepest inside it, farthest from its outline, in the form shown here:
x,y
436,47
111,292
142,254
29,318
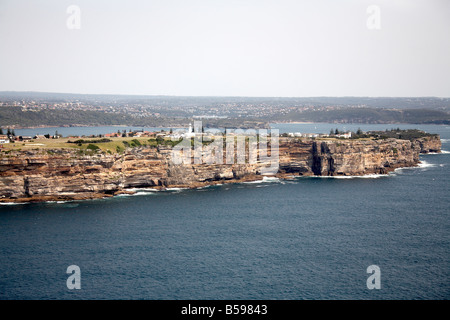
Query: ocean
x,y
308,238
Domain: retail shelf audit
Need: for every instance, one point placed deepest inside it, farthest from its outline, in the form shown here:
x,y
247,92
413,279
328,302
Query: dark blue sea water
x,y
312,238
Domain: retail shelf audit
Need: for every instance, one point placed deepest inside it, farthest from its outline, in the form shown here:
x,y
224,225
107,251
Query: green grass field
x,y
116,145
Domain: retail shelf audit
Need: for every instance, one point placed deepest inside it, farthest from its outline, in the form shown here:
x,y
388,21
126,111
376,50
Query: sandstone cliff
x,y
64,174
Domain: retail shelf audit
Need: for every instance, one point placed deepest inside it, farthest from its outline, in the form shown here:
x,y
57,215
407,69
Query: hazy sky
x,y
227,47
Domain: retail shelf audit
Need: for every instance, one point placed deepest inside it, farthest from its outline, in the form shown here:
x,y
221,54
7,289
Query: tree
x,y
359,132
1,131
336,131
13,133
331,132
8,132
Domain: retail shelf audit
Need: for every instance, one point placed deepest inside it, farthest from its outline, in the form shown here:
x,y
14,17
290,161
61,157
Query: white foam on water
x,y
366,176
175,189
71,202
62,201
424,164
271,179
442,152
264,180
373,176
142,189
141,193
123,195
252,182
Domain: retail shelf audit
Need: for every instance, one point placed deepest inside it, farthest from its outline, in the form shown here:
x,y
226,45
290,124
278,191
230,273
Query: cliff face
x,y
350,157
428,144
65,175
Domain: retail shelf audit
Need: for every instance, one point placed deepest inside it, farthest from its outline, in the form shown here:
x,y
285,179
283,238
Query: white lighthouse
x,y
189,133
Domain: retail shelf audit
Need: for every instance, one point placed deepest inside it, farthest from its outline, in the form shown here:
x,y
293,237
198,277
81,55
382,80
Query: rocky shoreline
x,y
66,175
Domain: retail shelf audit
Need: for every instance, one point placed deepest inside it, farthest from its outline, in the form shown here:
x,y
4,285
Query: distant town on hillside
x,y
31,109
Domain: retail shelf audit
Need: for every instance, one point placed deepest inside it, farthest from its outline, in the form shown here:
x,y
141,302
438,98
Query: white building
x,y
346,135
4,139
189,133
295,134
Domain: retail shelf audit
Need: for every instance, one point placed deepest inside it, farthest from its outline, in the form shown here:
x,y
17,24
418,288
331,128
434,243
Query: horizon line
x,y
213,96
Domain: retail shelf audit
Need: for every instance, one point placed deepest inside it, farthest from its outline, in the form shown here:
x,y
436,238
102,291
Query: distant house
x,y
25,138
111,135
346,135
294,134
4,139
40,136
175,136
311,135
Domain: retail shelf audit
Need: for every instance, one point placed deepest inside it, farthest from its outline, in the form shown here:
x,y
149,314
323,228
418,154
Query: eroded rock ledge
x,y
63,174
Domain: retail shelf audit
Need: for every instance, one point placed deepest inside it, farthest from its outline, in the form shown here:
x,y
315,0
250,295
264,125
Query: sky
x,y
276,48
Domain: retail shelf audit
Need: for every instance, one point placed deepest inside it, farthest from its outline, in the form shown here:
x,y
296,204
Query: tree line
x,y
9,132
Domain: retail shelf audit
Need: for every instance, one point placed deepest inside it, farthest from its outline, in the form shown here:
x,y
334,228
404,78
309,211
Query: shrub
x,y
119,149
80,141
136,142
92,147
